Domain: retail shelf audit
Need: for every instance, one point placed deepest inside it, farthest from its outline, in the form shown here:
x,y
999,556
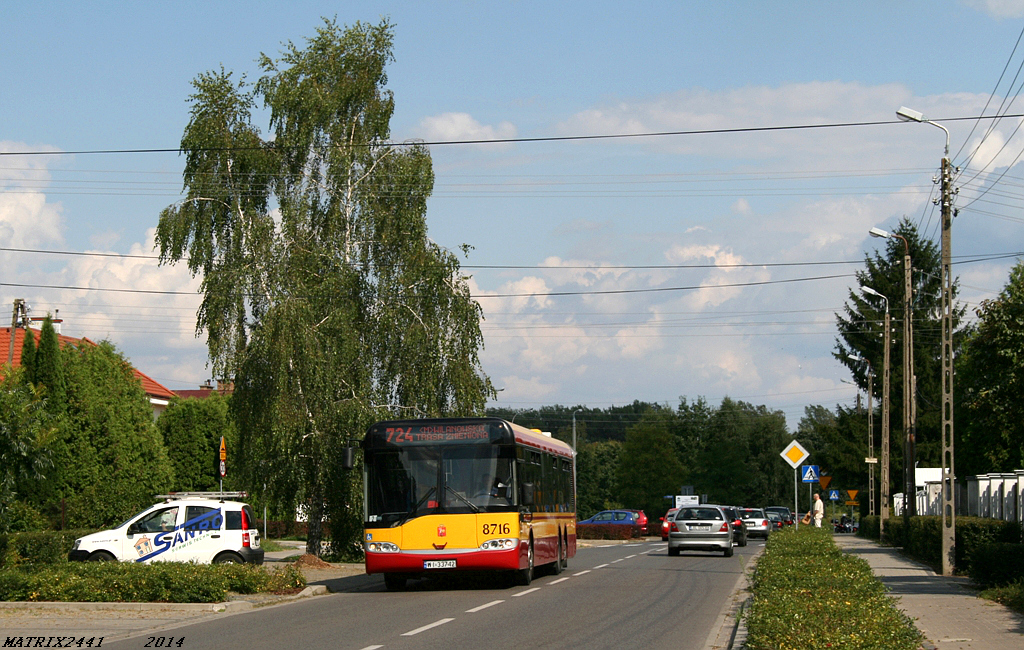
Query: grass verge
x,y
808,594
161,582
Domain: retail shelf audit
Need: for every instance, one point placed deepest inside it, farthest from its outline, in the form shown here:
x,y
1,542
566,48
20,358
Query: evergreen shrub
x,y
808,594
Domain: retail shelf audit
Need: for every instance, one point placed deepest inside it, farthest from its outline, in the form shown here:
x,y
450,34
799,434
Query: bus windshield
x,y
410,482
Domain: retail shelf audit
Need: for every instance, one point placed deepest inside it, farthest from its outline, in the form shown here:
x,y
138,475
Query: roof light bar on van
x,y
203,495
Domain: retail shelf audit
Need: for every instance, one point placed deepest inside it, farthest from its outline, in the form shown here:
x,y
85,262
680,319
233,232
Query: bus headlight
x,y
499,544
381,547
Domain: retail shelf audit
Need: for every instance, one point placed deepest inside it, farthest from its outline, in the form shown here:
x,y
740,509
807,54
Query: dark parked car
x,y
784,513
739,527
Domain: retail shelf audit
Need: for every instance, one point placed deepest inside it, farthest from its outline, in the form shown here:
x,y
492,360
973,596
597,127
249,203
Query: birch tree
x,y
323,297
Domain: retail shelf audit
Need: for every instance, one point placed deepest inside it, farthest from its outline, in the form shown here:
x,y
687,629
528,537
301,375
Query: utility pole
x,y
909,478
871,447
16,319
948,533
948,486
884,501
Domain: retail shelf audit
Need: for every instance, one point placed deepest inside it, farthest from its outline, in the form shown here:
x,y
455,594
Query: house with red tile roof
x,y
159,395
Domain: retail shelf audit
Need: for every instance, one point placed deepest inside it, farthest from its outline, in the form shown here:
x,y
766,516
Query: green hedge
x,y
607,531
50,547
869,526
924,540
168,582
809,595
997,564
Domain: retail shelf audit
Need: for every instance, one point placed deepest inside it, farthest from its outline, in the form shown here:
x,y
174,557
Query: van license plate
x,y
438,564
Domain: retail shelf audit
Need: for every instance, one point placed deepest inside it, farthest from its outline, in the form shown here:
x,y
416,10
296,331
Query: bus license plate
x,y
438,564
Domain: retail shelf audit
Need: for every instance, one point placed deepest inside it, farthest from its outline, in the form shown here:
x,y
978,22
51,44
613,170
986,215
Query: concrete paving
x,y
946,610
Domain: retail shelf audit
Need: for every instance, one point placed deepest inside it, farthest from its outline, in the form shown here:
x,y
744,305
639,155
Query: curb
x,y
730,631
231,606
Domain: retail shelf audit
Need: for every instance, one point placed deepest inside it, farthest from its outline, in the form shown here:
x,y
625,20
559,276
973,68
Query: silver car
x,y
758,524
700,528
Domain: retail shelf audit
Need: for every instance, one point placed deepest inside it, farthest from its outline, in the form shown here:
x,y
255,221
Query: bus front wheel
x,y
525,576
394,581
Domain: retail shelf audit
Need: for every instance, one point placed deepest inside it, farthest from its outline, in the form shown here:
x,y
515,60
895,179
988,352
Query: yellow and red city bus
x,y
466,494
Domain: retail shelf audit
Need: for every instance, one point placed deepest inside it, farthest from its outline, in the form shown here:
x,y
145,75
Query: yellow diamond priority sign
x,y
794,454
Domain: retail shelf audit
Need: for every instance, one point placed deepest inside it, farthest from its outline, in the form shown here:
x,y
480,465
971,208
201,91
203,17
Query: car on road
x,y
666,522
757,522
700,528
622,517
739,527
641,520
201,527
785,513
776,520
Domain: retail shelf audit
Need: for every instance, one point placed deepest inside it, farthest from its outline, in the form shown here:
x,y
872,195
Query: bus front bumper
x,y
428,561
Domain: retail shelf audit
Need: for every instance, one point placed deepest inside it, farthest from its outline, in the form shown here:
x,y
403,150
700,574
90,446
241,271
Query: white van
x,y
200,527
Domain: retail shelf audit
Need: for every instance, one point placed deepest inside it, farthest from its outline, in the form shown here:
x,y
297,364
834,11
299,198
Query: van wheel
x,y
101,556
228,558
394,581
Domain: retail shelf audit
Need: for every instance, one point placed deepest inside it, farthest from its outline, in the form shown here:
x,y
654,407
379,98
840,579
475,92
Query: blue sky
x,y
572,216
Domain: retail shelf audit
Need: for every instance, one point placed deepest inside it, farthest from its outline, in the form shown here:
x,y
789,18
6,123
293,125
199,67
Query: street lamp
x,y
909,382
948,493
870,460
883,514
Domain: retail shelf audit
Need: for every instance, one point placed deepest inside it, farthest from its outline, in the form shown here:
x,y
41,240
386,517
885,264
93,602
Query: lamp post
x,y
948,489
870,460
909,383
883,514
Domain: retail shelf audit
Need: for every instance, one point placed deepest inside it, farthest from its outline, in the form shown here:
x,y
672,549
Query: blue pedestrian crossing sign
x,y
810,474
833,495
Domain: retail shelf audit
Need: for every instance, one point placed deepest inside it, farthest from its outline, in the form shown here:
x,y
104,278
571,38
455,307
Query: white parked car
x,y
200,527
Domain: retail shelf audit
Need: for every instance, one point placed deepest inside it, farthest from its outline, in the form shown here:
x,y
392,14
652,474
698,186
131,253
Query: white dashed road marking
x,y
428,627
482,607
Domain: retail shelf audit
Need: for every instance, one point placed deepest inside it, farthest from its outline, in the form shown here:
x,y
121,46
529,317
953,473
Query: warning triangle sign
x,y
810,474
853,494
824,481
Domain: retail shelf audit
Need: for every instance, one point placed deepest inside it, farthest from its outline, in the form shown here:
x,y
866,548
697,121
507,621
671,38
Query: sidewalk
x,y
946,611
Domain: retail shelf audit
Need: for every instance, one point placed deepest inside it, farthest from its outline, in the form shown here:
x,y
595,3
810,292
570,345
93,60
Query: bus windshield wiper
x,y
415,508
462,498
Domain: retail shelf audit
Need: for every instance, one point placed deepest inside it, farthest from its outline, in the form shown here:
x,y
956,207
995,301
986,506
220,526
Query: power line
x,y
565,138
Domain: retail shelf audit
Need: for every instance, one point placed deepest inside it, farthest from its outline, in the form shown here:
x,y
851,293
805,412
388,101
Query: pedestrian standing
x,y
818,510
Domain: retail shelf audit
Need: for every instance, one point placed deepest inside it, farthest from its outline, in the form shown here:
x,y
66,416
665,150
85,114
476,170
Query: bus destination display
x,y
434,434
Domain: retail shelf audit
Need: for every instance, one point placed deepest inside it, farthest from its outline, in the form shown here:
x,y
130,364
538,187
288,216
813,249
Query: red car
x,y
666,523
641,520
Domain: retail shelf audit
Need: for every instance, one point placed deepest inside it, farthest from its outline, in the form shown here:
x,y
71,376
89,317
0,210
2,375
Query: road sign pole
x,y
796,501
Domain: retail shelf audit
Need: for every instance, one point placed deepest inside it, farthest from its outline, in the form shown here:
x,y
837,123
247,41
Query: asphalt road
x,y
626,595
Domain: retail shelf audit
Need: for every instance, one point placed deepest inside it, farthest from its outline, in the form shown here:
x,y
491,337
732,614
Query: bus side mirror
x,y
527,494
348,458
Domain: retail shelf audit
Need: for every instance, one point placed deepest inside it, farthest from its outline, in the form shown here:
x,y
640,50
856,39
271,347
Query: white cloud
x,y
448,127
998,8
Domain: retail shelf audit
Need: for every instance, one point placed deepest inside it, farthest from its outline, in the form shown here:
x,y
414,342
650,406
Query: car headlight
x,y
499,544
78,543
381,547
